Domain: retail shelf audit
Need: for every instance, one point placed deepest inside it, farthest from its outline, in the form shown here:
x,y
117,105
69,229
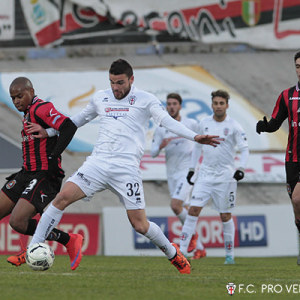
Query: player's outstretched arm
x,y
212,140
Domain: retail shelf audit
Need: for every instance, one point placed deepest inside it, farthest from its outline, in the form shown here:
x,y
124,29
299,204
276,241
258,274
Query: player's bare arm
x,y
37,130
212,140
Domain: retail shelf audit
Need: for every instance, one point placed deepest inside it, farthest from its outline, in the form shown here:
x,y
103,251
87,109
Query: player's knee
x,y
194,211
225,217
62,200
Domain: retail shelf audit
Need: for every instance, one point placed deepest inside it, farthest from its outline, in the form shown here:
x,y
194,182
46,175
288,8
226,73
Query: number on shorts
x,y
133,189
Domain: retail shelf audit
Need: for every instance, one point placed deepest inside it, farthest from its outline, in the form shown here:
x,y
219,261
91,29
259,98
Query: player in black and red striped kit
x,y
29,191
288,106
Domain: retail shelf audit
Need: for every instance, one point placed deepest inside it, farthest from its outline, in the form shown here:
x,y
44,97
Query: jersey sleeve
x,y
86,115
280,112
50,115
157,111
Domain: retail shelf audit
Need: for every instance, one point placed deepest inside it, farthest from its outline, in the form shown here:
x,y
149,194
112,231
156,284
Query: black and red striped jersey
x,y
288,106
36,151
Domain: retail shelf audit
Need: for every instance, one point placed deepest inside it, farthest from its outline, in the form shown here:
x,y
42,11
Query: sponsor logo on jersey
x,y
116,112
294,98
105,99
11,184
132,100
27,138
295,124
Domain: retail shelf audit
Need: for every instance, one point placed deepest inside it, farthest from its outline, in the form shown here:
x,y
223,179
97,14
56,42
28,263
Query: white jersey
x,y
218,162
178,151
123,124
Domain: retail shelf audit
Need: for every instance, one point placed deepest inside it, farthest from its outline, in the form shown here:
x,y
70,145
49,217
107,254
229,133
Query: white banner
x,y
71,91
268,24
261,167
257,231
7,19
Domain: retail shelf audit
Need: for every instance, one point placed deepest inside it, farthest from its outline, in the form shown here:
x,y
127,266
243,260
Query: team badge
x,y
11,184
226,131
132,100
230,288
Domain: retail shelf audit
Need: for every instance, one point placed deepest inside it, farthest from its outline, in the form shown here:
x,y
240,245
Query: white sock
x,y
50,218
228,231
182,215
157,237
188,230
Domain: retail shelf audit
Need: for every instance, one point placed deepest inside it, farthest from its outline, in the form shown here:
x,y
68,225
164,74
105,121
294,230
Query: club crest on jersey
x,y
132,100
226,131
11,184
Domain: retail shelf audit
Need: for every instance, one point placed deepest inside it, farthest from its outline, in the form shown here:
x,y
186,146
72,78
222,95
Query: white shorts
x,y
96,175
222,194
179,188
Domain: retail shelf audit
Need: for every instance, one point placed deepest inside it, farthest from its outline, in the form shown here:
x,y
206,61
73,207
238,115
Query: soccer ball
x,y
39,257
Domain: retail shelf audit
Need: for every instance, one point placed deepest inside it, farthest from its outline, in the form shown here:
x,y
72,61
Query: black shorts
x,y
38,188
292,170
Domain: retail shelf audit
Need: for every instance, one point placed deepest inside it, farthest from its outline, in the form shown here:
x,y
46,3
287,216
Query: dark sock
x,y
58,236
32,224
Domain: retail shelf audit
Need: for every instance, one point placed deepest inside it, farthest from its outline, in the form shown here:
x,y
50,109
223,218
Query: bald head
x,y
22,82
21,92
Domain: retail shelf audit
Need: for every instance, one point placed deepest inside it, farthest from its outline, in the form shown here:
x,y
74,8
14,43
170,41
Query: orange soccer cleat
x,y
74,249
193,242
18,259
199,254
180,262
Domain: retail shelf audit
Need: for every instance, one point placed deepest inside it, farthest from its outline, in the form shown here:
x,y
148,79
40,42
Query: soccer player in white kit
x,y
178,151
217,177
124,112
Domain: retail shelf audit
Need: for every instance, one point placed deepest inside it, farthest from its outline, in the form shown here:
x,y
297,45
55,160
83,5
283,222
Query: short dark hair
x,y
220,93
23,81
297,55
121,66
175,96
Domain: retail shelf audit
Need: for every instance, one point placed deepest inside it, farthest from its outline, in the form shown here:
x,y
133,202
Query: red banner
x,y
11,242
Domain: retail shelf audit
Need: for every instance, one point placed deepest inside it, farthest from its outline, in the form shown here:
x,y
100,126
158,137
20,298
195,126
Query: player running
x,y
30,190
124,113
217,177
178,152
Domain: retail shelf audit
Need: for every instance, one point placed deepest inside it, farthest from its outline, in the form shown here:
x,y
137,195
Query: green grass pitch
x,y
154,278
